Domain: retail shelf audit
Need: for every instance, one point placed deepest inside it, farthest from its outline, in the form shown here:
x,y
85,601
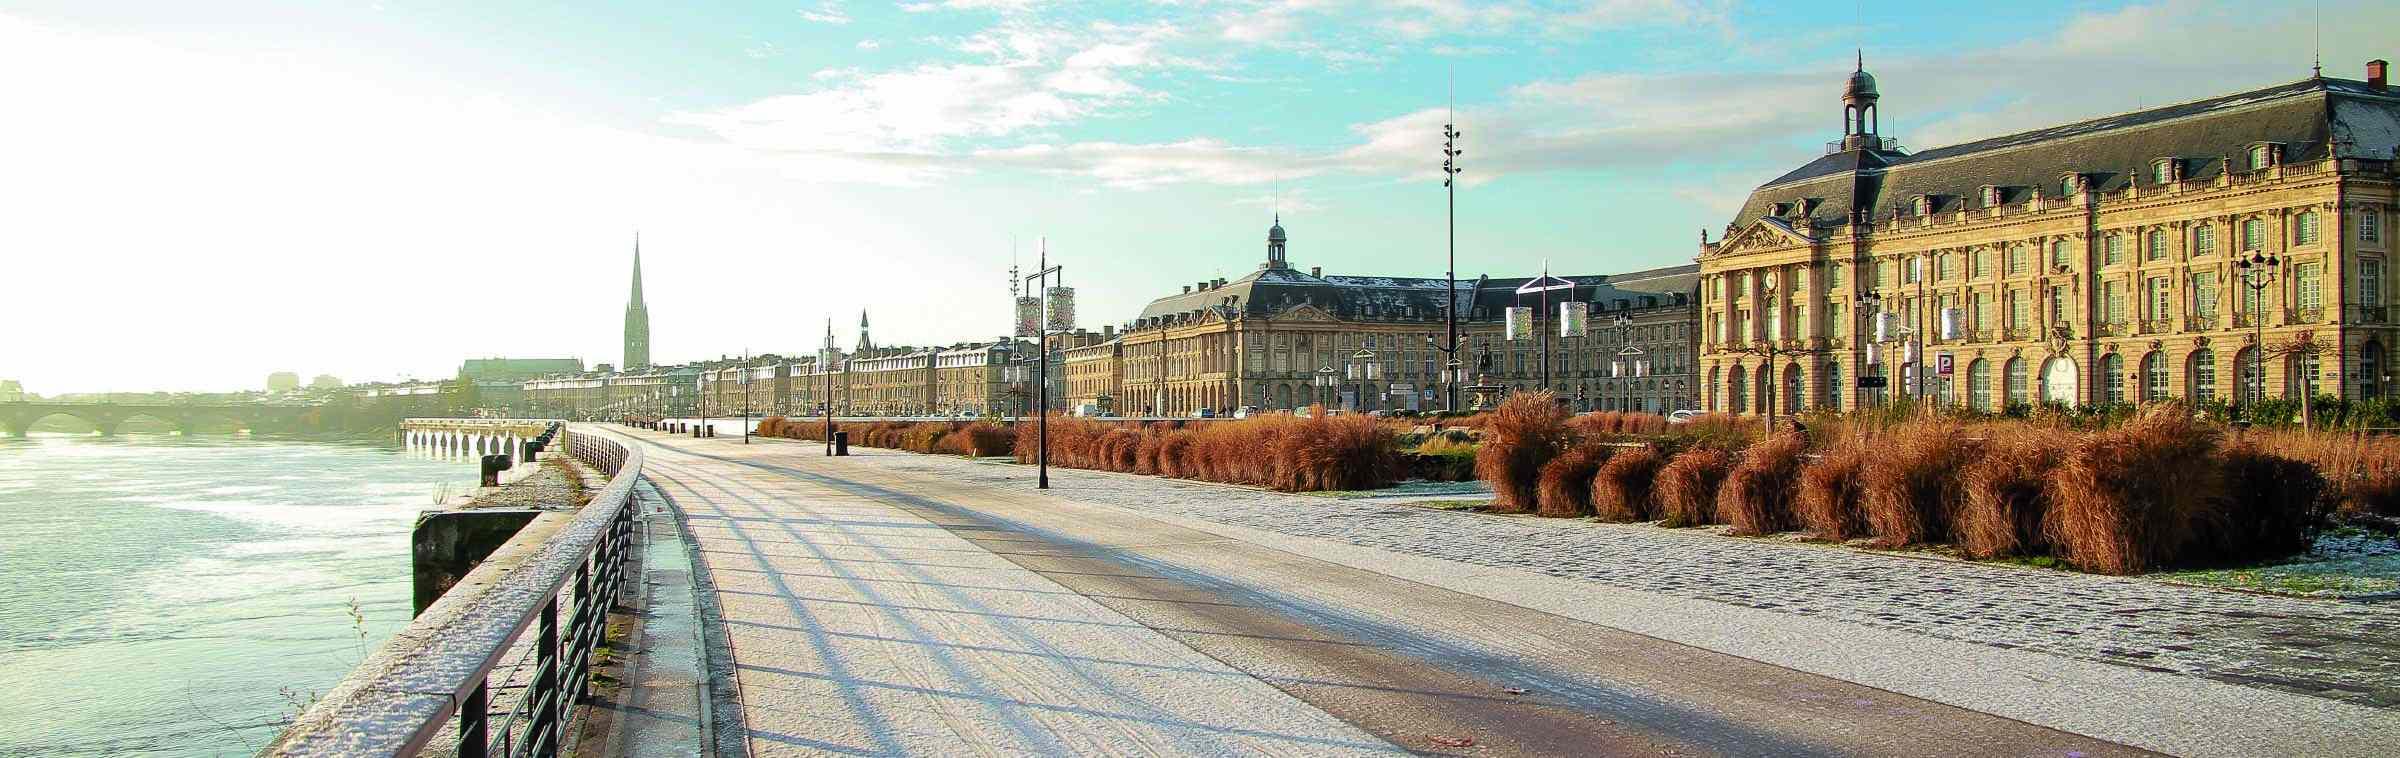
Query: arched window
x,y
2204,375
1765,379
2154,378
1979,384
1736,390
2013,383
2112,377
1793,393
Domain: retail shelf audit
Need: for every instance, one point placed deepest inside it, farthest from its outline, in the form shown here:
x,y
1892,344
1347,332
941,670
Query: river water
x,y
164,595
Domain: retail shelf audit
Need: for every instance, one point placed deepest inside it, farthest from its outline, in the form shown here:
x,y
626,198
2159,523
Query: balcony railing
x,y
2200,323
2157,326
2371,314
2114,329
2308,315
2245,320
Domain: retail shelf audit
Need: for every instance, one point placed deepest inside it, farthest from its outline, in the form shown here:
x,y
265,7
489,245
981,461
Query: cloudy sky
x,y
195,194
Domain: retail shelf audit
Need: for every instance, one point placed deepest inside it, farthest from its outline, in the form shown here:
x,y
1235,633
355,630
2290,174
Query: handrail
x,y
403,695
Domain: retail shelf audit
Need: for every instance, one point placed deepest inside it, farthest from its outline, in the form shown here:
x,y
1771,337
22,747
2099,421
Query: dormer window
x,y
1991,196
2265,154
1923,205
2166,171
1780,210
2069,185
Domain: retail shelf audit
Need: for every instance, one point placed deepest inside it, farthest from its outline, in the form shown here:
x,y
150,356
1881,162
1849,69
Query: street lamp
x,y
1364,368
1450,169
1043,275
1325,381
1870,306
2257,272
1623,367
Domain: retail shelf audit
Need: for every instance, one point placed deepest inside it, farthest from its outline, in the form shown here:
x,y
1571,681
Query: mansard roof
x,y
2310,119
1270,291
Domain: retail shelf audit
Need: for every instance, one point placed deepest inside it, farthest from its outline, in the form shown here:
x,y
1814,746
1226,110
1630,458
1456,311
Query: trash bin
x,y
841,443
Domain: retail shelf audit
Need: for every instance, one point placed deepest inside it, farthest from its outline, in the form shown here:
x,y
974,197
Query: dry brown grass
x,y
1526,432
1619,423
1621,489
1339,453
2138,497
2274,505
1911,482
1830,501
2004,496
1566,481
1756,498
2362,473
1686,489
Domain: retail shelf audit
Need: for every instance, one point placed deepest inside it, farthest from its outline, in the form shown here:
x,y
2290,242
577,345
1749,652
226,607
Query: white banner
x,y
1062,309
1573,319
1520,323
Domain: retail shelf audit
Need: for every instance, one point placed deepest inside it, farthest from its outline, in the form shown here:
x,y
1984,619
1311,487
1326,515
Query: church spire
x,y
637,316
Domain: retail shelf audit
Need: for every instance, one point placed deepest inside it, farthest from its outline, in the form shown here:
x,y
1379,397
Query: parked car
x,y
1245,411
1205,413
1682,417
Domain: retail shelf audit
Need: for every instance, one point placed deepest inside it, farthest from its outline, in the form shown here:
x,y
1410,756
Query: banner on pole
x,y
1574,319
1062,309
1029,316
1520,323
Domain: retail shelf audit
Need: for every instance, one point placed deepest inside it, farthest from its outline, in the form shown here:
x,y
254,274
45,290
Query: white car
x,y
1681,417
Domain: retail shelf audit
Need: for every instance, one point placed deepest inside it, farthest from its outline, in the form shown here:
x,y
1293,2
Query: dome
x,y
1862,84
1275,233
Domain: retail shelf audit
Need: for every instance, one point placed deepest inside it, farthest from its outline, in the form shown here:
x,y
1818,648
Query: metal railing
x,y
404,695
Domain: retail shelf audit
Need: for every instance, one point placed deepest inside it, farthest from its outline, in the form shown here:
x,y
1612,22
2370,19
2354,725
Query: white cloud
x,y
825,13
869,45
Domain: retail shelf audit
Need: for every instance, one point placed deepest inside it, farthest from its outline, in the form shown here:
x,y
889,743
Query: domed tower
x,y
1275,240
1859,117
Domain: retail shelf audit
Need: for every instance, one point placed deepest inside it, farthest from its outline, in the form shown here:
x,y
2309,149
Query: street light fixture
x,y
1043,275
1450,170
2257,272
1325,381
1364,368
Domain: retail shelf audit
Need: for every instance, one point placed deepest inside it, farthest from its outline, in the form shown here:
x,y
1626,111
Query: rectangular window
x,y
2204,240
2254,234
2112,301
1833,320
2112,249
2058,305
2159,295
1833,275
2309,279
2016,261
2020,310
1979,264
2155,249
1941,268
2370,282
2370,226
2304,228
1979,312
2058,254
2204,295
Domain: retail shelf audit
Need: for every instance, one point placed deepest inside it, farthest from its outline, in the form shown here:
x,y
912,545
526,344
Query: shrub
x,y
1756,498
1621,488
1686,489
1566,481
1829,499
2274,505
2000,513
1339,453
2138,497
1911,482
1526,432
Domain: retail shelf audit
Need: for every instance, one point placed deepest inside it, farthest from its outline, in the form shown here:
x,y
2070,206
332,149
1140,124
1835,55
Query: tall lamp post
x,y
2257,272
1325,382
1623,367
1450,169
745,396
1043,275
1364,368
1870,308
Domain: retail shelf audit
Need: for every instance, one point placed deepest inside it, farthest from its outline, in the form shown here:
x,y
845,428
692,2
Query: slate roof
x,y
2112,151
1395,298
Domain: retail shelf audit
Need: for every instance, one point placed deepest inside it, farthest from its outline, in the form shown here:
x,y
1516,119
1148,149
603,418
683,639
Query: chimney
x,y
1187,289
1317,271
2375,73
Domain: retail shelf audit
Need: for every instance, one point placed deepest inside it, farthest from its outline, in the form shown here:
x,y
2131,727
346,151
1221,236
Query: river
x,y
184,596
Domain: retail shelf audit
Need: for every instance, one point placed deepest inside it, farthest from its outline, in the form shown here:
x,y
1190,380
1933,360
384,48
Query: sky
x,y
193,195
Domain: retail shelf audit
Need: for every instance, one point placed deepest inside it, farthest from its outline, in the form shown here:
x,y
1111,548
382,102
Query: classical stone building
x,y
2098,261
1282,338
1095,376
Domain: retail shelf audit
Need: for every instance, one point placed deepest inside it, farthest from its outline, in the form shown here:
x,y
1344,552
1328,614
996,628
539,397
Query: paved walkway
x,y
898,604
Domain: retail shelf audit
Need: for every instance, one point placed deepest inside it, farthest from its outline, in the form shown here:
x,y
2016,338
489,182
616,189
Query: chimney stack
x,y
2375,73
1187,289
1317,271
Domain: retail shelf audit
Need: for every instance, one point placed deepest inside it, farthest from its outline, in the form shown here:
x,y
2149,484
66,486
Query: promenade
x,y
897,604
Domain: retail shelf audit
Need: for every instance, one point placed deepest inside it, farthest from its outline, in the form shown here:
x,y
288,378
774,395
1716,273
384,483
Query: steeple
x,y
1275,242
1860,117
637,316
864,342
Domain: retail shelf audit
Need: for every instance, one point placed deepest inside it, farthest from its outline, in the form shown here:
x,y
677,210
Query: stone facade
x,y
1095,376
1282,338
2102,261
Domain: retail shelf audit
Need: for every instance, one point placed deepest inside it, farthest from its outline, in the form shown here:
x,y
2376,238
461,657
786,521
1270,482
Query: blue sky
x,y
354,187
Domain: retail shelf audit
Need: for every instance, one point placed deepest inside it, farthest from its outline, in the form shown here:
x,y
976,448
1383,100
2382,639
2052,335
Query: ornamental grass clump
x,y
2005,494
1756,498
1565,484
1621,488
1911,482
1339,453
2138,497
2275,506
2362,473
1526,432
1686,490
1830,501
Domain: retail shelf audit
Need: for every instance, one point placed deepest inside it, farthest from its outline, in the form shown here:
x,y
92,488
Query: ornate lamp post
x,y
1623,366
1363,368
1325,382
1041,278
1450,169
2257,272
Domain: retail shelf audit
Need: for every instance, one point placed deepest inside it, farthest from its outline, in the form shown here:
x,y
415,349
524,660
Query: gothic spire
x,y
637,268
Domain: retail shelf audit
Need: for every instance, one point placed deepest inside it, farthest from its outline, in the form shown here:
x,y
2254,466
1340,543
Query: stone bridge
x,y
19,417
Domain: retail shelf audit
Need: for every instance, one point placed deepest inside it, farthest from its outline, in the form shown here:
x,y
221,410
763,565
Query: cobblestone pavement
x,y
2345,651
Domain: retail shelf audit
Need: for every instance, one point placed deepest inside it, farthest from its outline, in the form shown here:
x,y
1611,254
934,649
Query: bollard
x,y
492,466
841,443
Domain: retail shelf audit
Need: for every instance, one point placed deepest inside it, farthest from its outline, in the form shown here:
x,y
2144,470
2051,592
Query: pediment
x,y
1305,312
1764,234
